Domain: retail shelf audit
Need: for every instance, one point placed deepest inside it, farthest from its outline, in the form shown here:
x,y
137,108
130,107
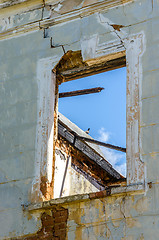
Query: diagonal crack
x,y
116,32
115,27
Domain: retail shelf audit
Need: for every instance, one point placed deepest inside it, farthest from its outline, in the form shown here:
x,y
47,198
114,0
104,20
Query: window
x,y
54,70
104,113
92,114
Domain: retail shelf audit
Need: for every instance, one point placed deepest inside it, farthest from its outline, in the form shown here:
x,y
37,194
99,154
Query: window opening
x,y
101,113
75,155
104,113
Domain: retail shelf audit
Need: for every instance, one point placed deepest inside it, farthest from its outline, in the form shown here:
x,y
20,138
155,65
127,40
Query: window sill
x,y
110,191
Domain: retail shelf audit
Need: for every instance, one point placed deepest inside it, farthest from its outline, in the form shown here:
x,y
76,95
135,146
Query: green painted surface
x,y
129,218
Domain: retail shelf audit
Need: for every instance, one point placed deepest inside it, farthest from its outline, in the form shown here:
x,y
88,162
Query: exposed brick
x,y
47,219
62,237
53,228
46,236
100,194
63,225
64,212
61,219
30,238
57,214
60,225
92,195
60,213
58,232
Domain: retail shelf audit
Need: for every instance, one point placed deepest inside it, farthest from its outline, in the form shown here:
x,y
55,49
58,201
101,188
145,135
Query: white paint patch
x,y
60,165
135,46
45,120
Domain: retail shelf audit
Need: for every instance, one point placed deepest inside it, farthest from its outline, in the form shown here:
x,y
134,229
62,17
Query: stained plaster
x,y
22,46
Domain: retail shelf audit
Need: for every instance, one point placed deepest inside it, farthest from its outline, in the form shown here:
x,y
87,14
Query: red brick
x,y
51,229
47,229
31,238
56,227
46,237
99,194
64,212
47,220
60,213
92,195
62,225
57,214
61,219
63,237
57,219
60,232
57,232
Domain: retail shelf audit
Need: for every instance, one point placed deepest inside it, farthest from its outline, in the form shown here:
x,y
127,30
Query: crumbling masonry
x,y
42,44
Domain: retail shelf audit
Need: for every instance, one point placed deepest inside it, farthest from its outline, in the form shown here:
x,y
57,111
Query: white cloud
x,y
117,159
121,169
103,135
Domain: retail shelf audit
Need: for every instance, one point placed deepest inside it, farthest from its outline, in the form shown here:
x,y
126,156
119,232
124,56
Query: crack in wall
x,y
56,46
108,232
114,27
122,205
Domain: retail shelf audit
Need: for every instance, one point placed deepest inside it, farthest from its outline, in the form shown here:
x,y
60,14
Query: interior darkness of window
x,y
104,112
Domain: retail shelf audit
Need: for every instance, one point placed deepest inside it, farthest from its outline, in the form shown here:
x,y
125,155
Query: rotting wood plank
x,y
88,151
80,92
85,70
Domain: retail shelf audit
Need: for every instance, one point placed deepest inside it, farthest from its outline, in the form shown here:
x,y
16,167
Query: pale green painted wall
x,y
18,119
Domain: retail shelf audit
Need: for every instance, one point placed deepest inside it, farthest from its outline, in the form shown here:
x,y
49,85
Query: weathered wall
x,y
24,49
102,216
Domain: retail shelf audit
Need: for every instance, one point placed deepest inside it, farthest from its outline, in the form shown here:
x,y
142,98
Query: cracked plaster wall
x,y
23,43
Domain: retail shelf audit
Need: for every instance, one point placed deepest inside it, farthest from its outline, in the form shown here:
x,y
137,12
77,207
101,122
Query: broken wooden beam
x,y
69,135
107,145
81,71
80,92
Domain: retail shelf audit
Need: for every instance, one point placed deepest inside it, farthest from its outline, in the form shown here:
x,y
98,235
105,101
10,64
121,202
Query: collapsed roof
x,y
100,172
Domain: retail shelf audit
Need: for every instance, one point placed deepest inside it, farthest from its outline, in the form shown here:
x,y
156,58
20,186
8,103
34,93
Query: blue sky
x,y
104,113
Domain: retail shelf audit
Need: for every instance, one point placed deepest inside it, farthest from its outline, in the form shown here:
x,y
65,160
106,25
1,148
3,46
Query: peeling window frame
x,y
92,54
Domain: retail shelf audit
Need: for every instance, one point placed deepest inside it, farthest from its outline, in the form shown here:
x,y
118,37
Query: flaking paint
x,y
124,215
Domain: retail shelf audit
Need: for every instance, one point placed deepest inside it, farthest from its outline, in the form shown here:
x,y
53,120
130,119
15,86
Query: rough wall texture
x,y
54,225
26,31
75,182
